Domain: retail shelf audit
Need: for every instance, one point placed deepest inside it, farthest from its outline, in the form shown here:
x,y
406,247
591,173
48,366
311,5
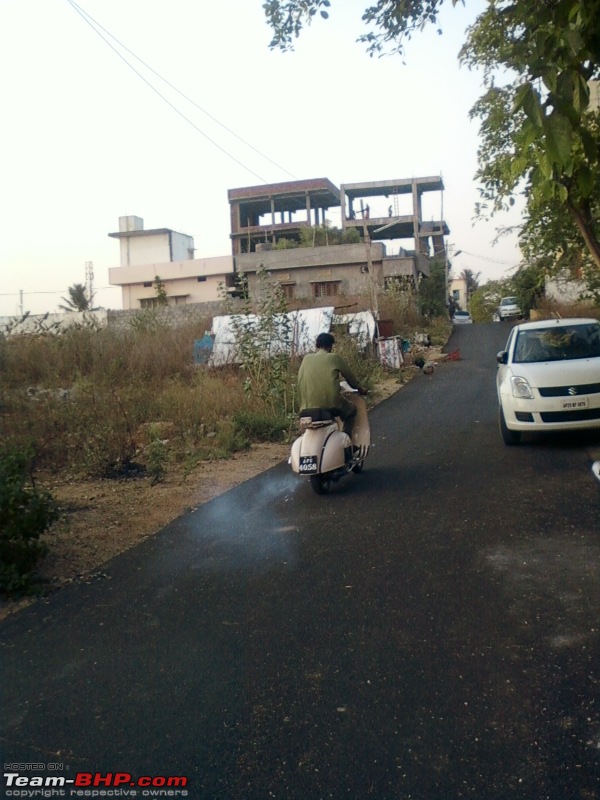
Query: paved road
x,y
428,631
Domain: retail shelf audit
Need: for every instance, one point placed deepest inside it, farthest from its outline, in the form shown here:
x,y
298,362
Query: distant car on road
x,y
509,309
548,377
461,318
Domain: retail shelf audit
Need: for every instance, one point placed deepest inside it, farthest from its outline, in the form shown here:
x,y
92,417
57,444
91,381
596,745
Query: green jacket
x,y
319,379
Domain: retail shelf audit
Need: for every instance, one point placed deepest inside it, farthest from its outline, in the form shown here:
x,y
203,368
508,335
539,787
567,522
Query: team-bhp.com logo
x,y
94,784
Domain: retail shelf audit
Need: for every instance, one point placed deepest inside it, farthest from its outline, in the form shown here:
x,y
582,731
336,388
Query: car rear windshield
x,y
558,343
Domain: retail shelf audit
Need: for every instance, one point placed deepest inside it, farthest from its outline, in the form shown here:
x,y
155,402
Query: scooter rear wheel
x,y
320,484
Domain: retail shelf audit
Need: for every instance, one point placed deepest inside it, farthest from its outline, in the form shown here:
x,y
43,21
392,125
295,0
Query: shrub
x,y
258,426
25,513
366,369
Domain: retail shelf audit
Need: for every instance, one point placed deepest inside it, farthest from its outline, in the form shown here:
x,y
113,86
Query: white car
x,y
509,309
548,377
461,318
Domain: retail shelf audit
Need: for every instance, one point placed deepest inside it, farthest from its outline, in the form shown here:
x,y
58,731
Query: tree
x,y
538,133
485,299
160,292
529,286
77,300
471,280
433,291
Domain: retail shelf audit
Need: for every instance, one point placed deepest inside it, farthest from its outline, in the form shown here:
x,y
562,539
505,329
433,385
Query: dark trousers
x,y
347,413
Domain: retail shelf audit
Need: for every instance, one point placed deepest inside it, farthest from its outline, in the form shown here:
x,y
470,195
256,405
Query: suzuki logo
x,y
572,390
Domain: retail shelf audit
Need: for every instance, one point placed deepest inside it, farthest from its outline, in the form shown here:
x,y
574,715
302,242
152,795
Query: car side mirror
x,y
502,357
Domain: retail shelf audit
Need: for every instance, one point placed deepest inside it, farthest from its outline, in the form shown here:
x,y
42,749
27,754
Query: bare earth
x,y
103,518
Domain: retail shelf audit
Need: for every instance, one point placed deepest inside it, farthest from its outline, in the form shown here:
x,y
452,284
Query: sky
x,y
205,106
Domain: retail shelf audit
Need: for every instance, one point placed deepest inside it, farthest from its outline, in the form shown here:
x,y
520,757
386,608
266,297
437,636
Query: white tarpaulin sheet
x,y
361,326
294,333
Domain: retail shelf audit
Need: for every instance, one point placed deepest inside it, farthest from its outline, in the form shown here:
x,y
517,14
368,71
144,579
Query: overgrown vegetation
x,y
319,236
25,513
102,403
433,292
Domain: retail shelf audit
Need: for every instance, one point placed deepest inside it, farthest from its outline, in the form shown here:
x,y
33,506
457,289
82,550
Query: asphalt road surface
x,y
428,631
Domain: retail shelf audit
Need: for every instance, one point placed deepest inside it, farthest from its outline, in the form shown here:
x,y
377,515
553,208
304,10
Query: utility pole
x,y
89,281
372,281
21,312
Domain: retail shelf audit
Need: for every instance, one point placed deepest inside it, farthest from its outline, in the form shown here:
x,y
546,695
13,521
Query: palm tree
x,y
78,299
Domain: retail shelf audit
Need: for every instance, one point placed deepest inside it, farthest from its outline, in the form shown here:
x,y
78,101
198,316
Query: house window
x,y
149,302
148,284
201,278
289,290
326,288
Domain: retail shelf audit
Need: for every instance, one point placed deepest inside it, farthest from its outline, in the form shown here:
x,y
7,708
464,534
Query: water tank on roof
x,y
127,224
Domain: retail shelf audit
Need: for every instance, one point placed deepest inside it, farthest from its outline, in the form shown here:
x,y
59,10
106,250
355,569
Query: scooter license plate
x,y
308,464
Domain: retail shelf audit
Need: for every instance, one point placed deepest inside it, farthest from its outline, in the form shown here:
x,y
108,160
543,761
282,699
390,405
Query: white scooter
x,y
324,452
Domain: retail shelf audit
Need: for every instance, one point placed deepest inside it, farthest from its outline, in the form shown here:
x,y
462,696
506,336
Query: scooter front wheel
x,y
320,484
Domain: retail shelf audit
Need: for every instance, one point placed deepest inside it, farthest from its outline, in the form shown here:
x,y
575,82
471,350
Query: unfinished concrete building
x,y
379,211
263,214
394,223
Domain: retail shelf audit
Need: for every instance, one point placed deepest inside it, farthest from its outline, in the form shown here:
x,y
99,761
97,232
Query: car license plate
x,y
574,403
308,464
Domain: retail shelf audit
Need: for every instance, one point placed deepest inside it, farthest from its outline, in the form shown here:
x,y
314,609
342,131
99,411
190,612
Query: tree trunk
x,y
583,219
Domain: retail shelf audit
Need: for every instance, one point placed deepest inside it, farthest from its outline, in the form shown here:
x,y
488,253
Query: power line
x,y
57,291
96,27
485,258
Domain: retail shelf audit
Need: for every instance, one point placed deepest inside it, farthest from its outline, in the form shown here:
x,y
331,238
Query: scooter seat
x,y
316,414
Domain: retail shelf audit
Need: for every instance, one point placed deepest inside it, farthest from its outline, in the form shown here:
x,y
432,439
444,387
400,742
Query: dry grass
x,y
548,309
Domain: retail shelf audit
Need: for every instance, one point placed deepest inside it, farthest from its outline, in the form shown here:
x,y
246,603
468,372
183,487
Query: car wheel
x,y
508,437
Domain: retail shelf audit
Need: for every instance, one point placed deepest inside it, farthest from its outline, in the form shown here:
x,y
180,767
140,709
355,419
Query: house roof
x,y
152,232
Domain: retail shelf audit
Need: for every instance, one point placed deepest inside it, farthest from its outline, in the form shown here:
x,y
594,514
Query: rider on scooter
x,y
319,379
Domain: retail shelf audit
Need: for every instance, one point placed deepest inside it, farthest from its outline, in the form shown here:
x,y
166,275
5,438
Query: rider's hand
x,y
362,391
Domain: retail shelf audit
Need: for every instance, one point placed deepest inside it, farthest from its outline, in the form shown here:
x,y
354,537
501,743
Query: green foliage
x,y
285,244
390,23
160,291
351,236
146,321
262,337
327,235
318,236
25,513
529,286
366,369
260,426
537,130
471,280
77,300
485,300
398,302
433,292
156,455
